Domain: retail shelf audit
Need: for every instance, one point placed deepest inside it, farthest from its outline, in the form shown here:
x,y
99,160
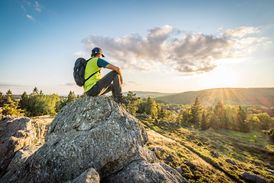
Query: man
x,y
95,85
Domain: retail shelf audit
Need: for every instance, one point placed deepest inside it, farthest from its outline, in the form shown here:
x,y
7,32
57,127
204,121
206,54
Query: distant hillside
x,y
144,94
242,96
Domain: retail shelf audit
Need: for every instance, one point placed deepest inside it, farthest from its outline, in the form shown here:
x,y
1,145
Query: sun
x,y
220,77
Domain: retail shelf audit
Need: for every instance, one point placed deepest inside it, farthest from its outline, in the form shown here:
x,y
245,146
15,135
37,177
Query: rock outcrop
x,y
19,138
93,140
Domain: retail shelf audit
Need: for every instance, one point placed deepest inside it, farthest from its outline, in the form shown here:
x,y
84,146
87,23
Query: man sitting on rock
x,y
96,85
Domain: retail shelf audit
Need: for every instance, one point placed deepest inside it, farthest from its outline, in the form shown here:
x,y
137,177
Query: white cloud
x,y
31,9
30,17
241,31
184,52
37,6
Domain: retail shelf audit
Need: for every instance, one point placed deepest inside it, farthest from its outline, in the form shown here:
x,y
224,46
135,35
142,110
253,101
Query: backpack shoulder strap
x,y
91,75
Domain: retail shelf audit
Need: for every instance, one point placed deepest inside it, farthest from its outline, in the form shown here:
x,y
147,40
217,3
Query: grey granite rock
x,y
93,133
88,176
142,171
15,134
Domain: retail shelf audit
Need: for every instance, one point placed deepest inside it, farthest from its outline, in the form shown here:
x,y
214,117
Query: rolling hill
x,y
144,94
239,96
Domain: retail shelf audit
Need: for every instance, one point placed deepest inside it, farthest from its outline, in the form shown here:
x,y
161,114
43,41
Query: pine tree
x,y
204,125
10,106
71,96
23,103
35,91
151,107
218,116
133,102
241,119
195,112
8,96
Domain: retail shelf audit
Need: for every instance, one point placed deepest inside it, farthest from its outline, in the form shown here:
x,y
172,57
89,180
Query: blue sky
x,y
40,40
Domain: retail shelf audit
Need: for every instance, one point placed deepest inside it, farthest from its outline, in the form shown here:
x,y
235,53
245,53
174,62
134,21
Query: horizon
x,y
190,46
145,91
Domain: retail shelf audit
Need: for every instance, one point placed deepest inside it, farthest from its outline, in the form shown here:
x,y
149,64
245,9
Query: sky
x,y
164,46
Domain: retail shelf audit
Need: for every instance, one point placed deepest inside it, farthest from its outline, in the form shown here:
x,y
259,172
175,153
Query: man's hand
x,y
116,69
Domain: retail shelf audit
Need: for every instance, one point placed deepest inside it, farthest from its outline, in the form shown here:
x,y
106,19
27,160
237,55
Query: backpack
x,y
79,71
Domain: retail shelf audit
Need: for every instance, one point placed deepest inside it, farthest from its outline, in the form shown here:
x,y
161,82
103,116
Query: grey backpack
x,y
79,71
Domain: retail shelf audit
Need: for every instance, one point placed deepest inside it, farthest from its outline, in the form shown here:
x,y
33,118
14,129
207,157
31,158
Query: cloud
x,y
37,6
241,31
31,8
30,17
184,52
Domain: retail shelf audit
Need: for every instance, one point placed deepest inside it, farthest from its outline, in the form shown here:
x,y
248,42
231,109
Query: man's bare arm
x,y
116,69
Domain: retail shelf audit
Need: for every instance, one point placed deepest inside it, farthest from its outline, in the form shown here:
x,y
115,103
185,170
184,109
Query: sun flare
x,y
220,77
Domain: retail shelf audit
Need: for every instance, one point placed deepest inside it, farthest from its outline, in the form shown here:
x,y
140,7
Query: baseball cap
x,y
96,50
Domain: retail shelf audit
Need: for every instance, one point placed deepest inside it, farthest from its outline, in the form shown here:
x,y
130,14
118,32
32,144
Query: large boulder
x,y
11,131
19,138
90,137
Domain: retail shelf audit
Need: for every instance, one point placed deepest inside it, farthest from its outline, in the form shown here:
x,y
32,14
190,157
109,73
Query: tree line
x,y
34,104
218,116
221,116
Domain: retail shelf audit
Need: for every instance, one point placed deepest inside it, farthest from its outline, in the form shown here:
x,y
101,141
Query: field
x,y
214,156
